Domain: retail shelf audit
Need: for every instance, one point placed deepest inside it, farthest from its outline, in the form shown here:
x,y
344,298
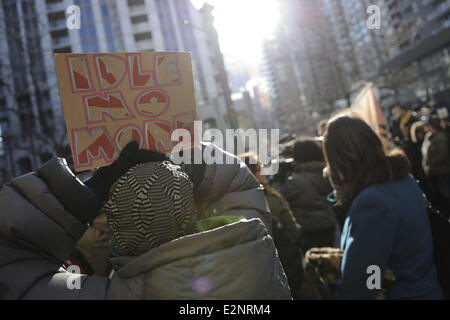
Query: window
x,y
4,126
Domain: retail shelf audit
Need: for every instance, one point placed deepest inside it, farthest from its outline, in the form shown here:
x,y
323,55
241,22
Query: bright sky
x,y
242,25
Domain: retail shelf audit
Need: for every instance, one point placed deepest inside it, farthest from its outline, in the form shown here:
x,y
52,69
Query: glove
x,y
104,177
327,262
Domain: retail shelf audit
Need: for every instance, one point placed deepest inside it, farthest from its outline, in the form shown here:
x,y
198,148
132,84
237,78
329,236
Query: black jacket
x,y
307,191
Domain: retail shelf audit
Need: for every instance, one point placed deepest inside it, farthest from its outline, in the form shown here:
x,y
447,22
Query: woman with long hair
x,y
387,227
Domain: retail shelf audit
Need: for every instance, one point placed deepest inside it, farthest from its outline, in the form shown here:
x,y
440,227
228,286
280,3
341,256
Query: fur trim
x,y
400,164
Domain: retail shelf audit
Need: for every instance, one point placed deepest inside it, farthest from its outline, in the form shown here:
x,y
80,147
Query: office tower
x,y
305,77
419,50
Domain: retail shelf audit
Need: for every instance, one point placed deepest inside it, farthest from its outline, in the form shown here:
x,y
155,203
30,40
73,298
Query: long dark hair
x,y
356,159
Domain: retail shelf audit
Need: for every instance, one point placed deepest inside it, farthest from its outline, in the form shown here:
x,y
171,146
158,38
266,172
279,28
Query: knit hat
x,y
151,204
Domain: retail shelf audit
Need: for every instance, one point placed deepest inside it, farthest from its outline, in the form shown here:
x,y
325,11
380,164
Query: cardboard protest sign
x,y
110,99
366,108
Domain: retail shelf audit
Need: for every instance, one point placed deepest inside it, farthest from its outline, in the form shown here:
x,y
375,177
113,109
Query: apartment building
x,y
31,31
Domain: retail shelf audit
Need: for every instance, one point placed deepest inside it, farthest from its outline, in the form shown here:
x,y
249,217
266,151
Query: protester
x,y
306,191
287,233
43,215
436,164
401,118
387,225
281,212
411,146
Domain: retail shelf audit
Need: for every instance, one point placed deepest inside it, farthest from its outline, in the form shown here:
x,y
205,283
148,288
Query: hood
x,y
236,261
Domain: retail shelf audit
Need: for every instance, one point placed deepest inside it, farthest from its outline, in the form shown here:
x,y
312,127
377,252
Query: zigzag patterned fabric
x,y
149,205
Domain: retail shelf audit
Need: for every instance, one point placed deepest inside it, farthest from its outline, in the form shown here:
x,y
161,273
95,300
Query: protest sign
x,y
110,99
366,108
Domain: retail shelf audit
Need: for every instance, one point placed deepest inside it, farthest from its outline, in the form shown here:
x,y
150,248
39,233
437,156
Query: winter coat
x,y
307,191
436,156
388,227
287,235
237,194
38,233
235,261
414,153
282,214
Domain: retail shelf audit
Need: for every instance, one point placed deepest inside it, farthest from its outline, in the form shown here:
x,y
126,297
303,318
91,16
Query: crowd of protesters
x,y
144,228
424,138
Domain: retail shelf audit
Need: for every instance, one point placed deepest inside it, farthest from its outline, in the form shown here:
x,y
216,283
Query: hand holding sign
x,y
110,99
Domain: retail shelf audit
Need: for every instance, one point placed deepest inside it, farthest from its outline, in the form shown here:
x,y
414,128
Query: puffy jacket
x,y
38,232
225,189
235,261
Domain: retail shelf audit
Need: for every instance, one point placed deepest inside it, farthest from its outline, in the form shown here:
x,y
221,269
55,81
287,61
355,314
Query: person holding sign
x,y
218,250
165,245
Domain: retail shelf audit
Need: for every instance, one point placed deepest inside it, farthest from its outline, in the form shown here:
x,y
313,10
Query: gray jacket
x,y
235,261
38,233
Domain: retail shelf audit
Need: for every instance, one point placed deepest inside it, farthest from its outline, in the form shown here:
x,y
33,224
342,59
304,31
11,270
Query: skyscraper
x,y
408,55
361,51
419,50
308,62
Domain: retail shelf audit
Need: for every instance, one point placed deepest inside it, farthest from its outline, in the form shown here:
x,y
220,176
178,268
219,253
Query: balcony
x,y
55,7
61,42
137,10
141,27
146,45
57,24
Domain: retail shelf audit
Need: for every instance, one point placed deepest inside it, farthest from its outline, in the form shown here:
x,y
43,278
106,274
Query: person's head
x,y
433,123
443,113
151,204
251,160
356,159
307,150
417,132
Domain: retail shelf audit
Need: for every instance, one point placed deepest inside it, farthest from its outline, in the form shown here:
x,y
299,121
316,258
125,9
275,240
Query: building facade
x,y
361,51
31,31
419,50
407,58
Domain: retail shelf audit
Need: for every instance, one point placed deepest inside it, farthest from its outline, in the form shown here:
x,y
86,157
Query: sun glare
x,y
243,24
